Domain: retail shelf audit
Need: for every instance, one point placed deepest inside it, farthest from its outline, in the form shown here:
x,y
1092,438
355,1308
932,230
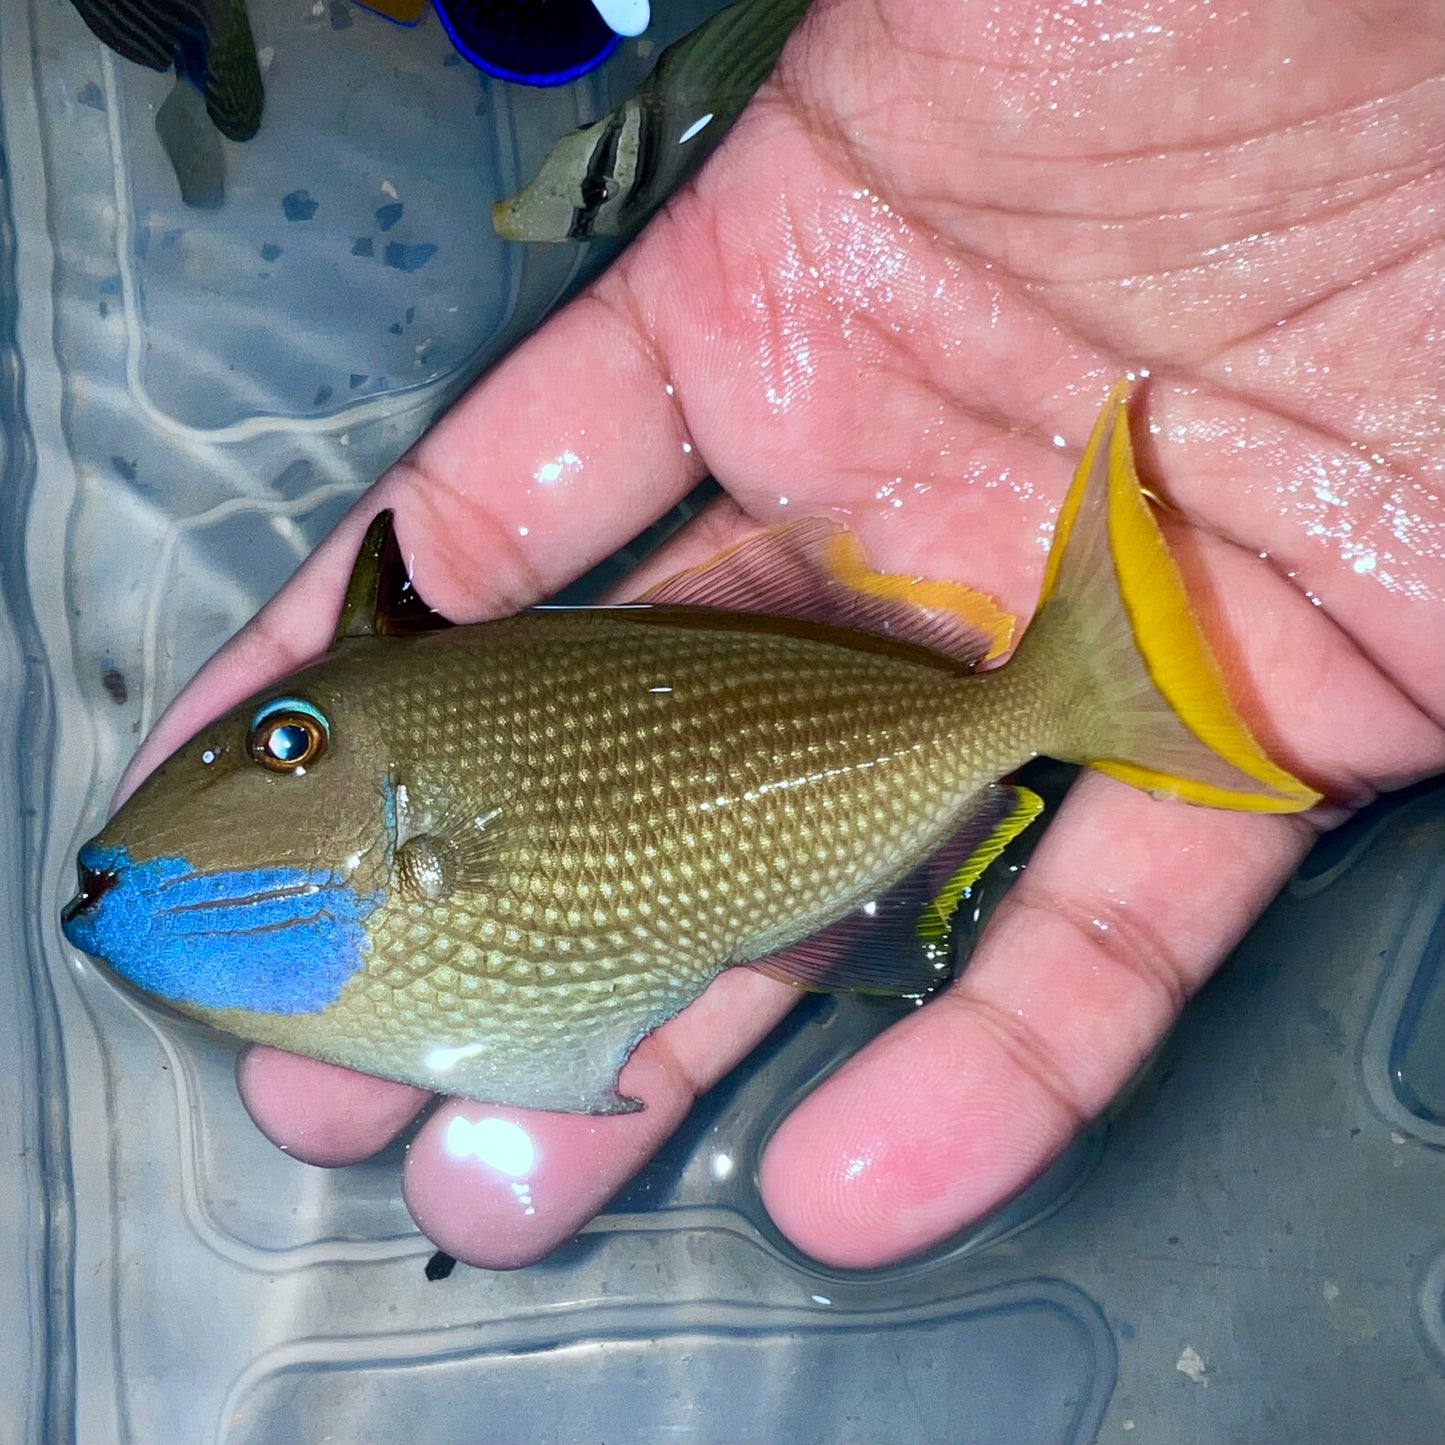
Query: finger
x,y
319,1113
1125,909
1358,534
566,451
501,1188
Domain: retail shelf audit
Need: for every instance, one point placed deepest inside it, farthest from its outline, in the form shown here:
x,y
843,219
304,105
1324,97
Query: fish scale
x,y
818,772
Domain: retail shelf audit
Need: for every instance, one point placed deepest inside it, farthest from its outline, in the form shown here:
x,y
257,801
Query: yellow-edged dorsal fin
x,y
814,570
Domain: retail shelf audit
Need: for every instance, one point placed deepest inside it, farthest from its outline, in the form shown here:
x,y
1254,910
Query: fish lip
x,y
94,883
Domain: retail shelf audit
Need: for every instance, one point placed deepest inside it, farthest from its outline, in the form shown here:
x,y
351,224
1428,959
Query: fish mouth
x,y
278,938
95,883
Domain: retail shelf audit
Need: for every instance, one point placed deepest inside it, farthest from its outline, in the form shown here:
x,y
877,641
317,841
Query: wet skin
x,y
922,255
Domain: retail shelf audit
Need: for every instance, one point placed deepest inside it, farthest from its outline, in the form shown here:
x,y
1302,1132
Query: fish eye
x,y
288,734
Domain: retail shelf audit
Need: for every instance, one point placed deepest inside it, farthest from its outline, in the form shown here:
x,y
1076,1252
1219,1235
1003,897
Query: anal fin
x,y
1010,809
899,945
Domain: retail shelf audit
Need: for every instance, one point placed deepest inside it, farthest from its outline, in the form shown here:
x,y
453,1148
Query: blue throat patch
x,y
272,940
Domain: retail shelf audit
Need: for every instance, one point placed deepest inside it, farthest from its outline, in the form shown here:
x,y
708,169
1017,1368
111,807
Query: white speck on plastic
x,y
1191,1364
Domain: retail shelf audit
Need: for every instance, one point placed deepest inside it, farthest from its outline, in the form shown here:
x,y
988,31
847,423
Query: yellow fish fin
x,y
1023,807
900,943
813,570
1142,694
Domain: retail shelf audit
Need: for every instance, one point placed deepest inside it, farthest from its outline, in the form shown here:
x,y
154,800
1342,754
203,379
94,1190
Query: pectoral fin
x,y
455,853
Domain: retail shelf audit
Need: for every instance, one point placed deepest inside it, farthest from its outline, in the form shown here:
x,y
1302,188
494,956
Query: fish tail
x,y
1125,679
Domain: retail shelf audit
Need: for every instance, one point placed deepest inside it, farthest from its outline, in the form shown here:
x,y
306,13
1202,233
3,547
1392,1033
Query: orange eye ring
x,y
287,735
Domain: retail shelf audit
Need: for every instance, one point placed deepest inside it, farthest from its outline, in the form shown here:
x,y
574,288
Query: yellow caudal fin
x,y
1130,676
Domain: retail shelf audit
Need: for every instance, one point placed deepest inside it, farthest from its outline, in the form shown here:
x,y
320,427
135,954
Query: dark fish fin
x,y
208,41
399,12
380,600
899,945
813,569
528,42
1010,809
234,95
192,147
133,29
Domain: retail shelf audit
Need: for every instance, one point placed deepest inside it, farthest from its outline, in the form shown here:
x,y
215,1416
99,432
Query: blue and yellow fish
x,y
489,859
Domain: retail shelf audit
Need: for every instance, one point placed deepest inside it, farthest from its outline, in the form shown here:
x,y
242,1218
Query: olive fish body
x,y
555,829
489,859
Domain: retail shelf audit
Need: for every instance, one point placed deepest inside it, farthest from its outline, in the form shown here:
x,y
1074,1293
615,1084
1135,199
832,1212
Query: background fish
x,y
489,859
607,178
208,41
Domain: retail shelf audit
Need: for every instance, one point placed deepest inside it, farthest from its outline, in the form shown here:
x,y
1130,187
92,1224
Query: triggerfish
x,y
489,859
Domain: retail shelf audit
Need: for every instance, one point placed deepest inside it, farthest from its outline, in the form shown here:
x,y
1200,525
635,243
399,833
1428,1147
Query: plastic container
x,y
1249,1247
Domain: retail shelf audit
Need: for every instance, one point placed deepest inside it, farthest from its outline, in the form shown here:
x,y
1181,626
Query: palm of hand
x,y
923,252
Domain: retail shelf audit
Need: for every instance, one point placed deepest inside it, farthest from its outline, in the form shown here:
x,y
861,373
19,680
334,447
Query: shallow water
x,y
1249,1246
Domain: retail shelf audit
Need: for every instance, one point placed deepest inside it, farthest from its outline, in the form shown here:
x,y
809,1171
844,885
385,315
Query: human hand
x,y
925,250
